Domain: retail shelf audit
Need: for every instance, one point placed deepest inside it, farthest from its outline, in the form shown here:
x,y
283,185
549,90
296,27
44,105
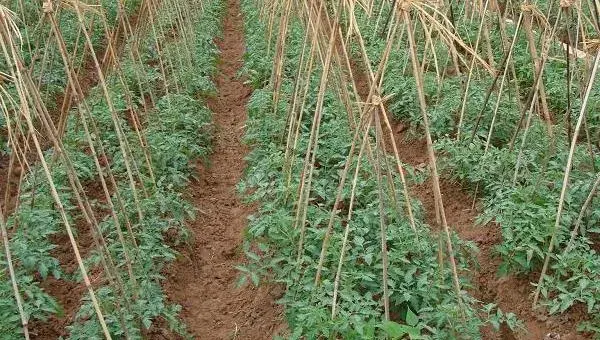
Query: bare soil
x,y
67,292
203,280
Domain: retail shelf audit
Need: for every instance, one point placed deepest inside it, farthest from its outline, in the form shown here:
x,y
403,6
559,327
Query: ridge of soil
x,y
511,293
203,280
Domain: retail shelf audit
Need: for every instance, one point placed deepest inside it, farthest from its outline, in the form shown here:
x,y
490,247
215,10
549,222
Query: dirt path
x,y
203,281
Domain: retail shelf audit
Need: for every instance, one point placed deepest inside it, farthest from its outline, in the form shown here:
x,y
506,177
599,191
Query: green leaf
x,y
147,322
529,256
242,280
253,256
255,278
411,318
395,330
503,269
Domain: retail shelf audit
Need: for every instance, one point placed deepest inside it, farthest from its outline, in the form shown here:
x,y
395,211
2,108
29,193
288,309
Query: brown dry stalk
x,y
7,31
123,144
567,174
527,25
336,283
280,51
582,212
83,110
432,158
7,253
309,161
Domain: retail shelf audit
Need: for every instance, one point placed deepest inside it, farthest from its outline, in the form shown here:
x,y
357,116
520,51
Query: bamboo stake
x,y
121,137
11,270
336,282
584,208
567,174
16,69
432,158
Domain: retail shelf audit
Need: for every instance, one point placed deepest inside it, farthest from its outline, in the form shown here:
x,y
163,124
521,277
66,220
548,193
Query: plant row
x,y
143,159
421,295
506,152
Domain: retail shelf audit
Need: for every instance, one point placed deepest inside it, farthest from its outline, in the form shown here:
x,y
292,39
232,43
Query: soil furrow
x,y
203,282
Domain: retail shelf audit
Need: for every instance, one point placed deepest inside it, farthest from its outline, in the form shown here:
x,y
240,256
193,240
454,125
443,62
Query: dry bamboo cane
x,y
369,152
453,52
133,113
373,91
272,15
76,186
292,153
533,95
78,95
313,146
351,19
567,17
83,204
332,31
18,154
84,109
429,48
380,148
394,25
174,33
134,54
361,131
488,44
379,15
527,23
185,27
64,217
304,192
513,74
165,34
584,208
382,220
44,57
346,76
338,274
67,100
27,33
470,75
159,52
505,66
16,69
432,158
315,44
567,174
13,278
11,167
316,26
340,73
280,52
295,115
122,140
